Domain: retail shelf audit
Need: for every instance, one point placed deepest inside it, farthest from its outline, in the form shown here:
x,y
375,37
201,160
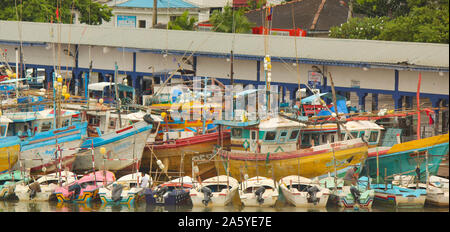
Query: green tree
x,y
45,11
360,28
230,21
183,22
255,4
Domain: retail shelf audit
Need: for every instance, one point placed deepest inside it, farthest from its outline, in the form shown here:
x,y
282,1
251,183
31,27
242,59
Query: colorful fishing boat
x,y
258,191
9,146
85,189
214,191
398,196
9,180
437,188
43,152
174,192
125,190
358,196
303,192
192,148
404,157
44,187
123,148
270,147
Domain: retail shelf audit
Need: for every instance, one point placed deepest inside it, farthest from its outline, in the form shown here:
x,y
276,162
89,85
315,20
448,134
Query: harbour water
x,y
18,206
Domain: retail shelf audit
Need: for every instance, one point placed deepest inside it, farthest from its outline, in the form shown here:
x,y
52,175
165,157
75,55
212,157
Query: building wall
x,y
431,82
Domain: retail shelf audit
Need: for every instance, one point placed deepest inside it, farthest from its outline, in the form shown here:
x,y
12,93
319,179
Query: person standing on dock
x,y
351,176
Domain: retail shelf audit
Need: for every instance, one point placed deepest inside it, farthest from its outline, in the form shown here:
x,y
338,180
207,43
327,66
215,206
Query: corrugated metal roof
x,y
161,4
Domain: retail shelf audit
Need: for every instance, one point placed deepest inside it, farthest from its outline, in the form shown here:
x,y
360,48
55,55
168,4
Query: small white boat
x,y
258,191
43,188
358,196
302,192
437,189
214,191
124,190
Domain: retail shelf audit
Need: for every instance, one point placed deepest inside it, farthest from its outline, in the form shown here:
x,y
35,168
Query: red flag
x,y
430,115
57,13
269,16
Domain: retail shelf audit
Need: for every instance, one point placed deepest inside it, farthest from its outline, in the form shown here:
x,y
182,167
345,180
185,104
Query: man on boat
x,y
144,180
351,176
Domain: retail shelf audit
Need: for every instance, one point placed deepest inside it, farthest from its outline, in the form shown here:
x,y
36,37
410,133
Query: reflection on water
x,y
7,206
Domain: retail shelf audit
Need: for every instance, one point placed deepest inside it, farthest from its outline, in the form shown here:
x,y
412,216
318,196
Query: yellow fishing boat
x,y
270,148
9,146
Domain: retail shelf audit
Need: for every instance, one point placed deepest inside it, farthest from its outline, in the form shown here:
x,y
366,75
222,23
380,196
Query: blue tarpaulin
x,y
342,108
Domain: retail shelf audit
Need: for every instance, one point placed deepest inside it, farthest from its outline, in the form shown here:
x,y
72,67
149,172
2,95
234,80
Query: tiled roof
x,y
311,15
161,4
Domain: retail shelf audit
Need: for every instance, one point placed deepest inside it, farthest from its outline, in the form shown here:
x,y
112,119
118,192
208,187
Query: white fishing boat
x,y
43,188
122,149
302,192
214,191
359,195
258,191
125,190
436,190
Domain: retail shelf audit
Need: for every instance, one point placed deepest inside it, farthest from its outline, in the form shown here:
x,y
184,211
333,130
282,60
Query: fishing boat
x,y
174,192
193,148
214,191
403,158
399,196
357,196
43,152
9,146
270,147
258,191
85,189
303,192
125,190
122,148
437,188
43,188
8,182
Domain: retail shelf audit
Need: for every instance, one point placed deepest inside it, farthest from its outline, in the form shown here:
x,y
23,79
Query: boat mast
x,y
116,87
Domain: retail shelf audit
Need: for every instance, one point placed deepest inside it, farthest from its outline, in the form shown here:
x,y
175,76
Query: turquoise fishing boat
x,y
358,196
403,158
9,180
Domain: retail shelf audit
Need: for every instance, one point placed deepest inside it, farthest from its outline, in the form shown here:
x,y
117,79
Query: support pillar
x,y
408,102
374,101
397,101
361,101
436,103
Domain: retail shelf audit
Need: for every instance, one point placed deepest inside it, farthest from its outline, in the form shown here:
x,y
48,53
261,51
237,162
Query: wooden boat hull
x,y
199,147
308,163
8,157
404,157
441,200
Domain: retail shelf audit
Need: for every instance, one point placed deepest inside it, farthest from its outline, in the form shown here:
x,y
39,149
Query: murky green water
x,y
9,206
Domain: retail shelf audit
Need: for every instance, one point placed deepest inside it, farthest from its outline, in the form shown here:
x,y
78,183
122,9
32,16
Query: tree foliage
x,y
183,22
45,11
230,21
417,21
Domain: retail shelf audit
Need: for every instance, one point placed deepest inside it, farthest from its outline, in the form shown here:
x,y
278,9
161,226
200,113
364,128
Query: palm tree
x,y
183,22
230,21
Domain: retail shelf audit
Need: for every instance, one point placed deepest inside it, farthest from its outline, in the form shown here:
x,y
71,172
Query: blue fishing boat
x,y
8,182
122,149
175,192
399,196
39,153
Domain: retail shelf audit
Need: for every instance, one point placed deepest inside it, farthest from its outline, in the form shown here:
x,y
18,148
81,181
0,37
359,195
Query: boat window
x,y
373,136
2,131
45,126
355,134
253,134
112,123
65,123
315,140
305,140
282,137
95,121
332,138
324,139
270,135
236,132
294,135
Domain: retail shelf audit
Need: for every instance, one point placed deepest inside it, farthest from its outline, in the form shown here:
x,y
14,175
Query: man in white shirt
x,y
144,180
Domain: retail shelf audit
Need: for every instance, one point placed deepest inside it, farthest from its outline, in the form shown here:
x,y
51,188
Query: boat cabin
x,y
106,91
314,135
272,135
